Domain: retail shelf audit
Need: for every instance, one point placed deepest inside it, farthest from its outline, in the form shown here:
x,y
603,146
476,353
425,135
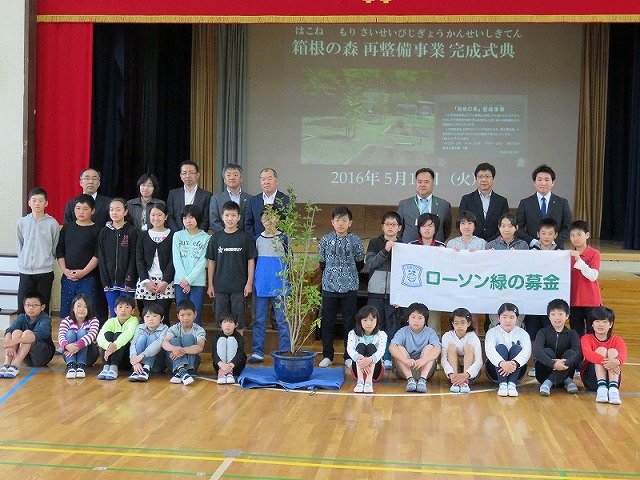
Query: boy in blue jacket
x,y
28,338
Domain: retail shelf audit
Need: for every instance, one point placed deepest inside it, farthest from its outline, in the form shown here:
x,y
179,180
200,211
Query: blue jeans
x,y
112,296
73,336
142,342
507,354
190,362
70,289
260,325
196,295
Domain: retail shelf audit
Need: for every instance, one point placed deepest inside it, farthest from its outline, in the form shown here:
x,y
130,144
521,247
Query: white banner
x,y
480,281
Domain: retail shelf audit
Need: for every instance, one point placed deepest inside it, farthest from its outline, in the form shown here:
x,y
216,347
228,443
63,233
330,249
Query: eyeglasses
x,y
484,177
88,179
390,224
188,174
32,305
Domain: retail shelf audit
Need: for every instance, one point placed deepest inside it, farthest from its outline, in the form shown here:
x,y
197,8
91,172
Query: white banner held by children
x,y
480,281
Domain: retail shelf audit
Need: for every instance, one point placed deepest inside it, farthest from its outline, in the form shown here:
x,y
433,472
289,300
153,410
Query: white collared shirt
x,y
189,197
269,200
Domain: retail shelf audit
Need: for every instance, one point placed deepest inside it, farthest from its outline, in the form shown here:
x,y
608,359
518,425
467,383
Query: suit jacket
x,y
134,206
252,221
409,212
175,204
215,209
528,217
99,217
486,228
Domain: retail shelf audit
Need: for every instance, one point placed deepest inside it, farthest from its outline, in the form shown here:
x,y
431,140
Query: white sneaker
x,y
388,365
325,362
230,379
512,390
532,372
602,395
368,387
175,379
348,362
222,380
614,396
71,371
187,379
503,391
359,388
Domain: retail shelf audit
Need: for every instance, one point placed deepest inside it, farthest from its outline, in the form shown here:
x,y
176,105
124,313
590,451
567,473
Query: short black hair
x,y
38,191
508,216
185,304
127,300
85,199
228,316
508,307
426,170
160,206
231,206
33,294
558,304
418,307
341,211
394,215
579,225
90,168
425,217
467,215
484,166
191,163
463,313
154,180
192,210
363,313
544,168
154,308
603,313
548,222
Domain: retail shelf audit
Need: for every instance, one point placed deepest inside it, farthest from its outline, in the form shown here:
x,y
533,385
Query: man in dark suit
x,y
540,205
485,204
270,195
232,175
90,182
424,202
189,194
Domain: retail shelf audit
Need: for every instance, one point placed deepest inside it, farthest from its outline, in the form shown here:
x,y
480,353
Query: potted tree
x,y
300,294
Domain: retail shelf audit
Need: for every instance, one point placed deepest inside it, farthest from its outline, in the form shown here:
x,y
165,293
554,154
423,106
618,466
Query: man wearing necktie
x,y
540,205
424,202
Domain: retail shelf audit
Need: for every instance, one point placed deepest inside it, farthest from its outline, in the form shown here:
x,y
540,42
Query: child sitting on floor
x,y
366,345
228,354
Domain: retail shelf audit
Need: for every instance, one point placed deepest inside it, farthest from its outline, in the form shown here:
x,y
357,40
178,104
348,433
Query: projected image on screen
x,y
368,116
348,113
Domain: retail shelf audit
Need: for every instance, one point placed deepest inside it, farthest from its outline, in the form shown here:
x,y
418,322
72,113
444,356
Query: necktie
x,y
423,205
543,207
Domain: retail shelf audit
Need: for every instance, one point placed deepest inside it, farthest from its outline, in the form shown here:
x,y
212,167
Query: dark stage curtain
x,y
621,201
141,105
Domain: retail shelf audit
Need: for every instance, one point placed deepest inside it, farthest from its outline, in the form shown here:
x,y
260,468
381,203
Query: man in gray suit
x,y
543,204
189,194
485,204
232,175
424,202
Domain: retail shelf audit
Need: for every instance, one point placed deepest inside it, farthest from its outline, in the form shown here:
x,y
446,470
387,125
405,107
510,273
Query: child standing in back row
x,y
271,246
378,259
189,249
341,258
585,268
117,254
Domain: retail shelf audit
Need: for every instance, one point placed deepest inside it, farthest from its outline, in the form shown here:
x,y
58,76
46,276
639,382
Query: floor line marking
x,y
222,468
432,471
17,387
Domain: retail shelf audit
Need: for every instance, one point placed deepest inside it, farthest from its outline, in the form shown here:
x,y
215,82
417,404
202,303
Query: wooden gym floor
x,y
54,428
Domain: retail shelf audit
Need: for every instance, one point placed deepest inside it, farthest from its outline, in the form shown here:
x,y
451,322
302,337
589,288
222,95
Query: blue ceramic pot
x,y
293,369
